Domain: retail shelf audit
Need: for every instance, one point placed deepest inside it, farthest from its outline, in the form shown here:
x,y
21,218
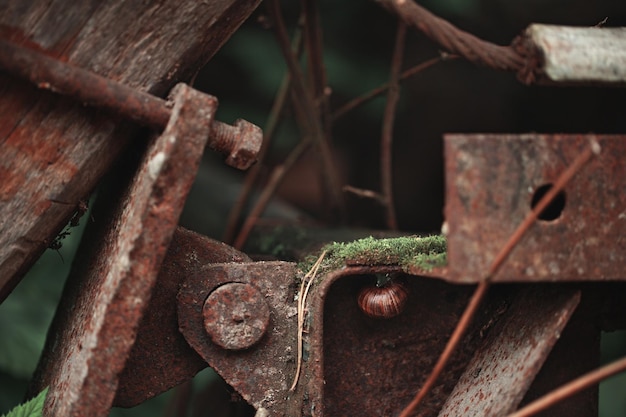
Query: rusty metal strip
x,y
503,369
490,186
93,331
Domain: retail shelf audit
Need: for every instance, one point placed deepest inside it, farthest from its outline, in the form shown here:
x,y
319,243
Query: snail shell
x,y
383,302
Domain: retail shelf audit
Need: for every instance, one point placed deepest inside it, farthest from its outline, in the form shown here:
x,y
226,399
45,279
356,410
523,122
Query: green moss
x,y
408,251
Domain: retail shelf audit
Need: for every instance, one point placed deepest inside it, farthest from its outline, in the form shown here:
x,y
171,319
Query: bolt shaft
x,y
94,90
85,86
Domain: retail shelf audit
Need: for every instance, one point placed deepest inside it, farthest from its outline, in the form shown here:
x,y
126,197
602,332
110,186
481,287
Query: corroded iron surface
x,y
97,321
503,369
161,358
491,183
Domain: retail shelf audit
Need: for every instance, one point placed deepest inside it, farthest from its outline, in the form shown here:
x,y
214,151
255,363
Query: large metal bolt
x,y
236,316
241,142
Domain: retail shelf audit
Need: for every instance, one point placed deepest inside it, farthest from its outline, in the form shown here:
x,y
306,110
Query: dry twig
x,y
275,179
358,101
386,142
307,110
571,388
268,133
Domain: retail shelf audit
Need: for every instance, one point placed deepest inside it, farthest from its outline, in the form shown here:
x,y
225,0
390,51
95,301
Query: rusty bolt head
x,y
246,146
236,316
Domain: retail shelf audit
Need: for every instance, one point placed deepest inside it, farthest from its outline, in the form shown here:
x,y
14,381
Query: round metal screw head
x,y
236,316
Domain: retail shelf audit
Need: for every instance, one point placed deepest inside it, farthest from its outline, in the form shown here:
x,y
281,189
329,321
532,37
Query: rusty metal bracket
x,y
357,365
106,294
352,363
492,182
161,358
260,369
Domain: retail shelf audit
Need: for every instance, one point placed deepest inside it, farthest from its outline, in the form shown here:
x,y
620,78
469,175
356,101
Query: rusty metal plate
x,y
491,181
106,294
261,372
503,369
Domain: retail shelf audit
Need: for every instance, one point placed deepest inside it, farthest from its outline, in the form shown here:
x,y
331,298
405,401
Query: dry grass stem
x,y
307,280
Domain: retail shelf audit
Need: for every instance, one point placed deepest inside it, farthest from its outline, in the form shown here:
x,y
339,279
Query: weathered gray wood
x,y
578,55
54,151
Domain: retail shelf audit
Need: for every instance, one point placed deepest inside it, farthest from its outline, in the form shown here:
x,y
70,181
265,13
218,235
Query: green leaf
x,y
31,408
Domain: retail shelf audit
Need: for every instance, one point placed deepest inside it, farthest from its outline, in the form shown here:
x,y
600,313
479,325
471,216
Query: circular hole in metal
x,y
554,209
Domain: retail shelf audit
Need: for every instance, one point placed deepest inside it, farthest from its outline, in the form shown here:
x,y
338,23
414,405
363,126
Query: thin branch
x,y
358,101
275,180
364,193
453,342
268,132
313,45
307,110
571,388
505,251
307,280
386,142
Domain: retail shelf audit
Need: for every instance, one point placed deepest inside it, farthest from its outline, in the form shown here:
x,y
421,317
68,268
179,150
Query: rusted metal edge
x,y
308,397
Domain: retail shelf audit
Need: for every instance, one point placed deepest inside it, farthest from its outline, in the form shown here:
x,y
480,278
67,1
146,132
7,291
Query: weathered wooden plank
x,y
53,151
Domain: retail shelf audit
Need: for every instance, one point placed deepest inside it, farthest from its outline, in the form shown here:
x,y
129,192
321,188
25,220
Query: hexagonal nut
x,y
247,145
